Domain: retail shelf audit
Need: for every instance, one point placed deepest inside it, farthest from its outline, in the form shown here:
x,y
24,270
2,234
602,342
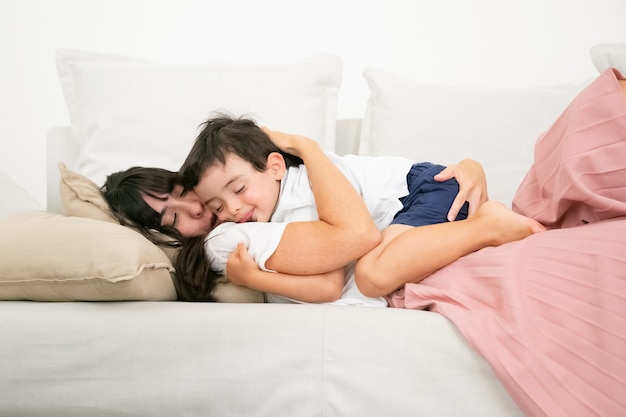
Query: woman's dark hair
x,y
223,135
195,280
124,191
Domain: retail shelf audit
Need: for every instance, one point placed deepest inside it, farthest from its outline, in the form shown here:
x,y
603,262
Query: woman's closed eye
x,y
169,218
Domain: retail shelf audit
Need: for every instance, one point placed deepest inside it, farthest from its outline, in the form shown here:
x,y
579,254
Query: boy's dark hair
x,y
222,135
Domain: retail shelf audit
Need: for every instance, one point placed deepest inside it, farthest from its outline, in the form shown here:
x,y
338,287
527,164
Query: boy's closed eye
x,y
214,205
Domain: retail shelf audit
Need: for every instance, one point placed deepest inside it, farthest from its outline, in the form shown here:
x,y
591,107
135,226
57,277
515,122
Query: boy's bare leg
x,y
410,254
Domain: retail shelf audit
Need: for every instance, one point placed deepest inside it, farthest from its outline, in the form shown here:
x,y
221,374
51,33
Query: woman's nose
x,y
197,209
194,208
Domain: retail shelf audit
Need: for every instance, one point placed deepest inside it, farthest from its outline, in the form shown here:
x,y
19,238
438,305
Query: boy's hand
x,y
241,267
472,186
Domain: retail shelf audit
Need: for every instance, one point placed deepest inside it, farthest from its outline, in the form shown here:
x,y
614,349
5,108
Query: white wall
x,y
484,42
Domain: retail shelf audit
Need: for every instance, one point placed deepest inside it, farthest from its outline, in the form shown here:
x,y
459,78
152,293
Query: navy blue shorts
x,y
428,201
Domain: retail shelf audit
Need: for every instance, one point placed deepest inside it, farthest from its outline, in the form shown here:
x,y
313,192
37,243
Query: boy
x,y
240,175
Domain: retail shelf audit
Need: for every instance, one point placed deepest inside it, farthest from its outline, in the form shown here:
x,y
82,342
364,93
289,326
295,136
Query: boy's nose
x,y
232,208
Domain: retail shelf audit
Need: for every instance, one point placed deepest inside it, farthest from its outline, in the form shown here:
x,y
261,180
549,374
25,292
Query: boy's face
x,y
237,192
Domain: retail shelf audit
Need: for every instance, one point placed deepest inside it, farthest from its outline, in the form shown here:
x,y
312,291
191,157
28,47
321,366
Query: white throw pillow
x,y
445,124
609,55
127,112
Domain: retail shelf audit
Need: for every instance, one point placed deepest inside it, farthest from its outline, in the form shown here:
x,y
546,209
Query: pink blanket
x,y
549,312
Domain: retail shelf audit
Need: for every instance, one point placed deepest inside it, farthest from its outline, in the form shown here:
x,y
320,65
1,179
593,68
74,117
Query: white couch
x,y
167,358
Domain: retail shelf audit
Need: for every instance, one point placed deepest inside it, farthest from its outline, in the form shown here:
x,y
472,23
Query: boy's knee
x,y
369,281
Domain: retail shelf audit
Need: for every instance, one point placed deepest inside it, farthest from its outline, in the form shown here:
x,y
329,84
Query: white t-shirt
x,y
380,180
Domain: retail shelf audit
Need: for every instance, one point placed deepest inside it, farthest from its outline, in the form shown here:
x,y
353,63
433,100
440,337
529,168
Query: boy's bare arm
x,y
345,230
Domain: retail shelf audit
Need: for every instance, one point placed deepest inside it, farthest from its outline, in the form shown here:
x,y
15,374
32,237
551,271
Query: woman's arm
x,y
242,269
345,230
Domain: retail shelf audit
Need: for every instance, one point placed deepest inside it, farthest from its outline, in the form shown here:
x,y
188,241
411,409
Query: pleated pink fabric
x,y
579,170
549,312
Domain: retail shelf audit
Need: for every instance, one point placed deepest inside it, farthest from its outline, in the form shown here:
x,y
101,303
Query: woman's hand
x,y
289,143
472,186
241,267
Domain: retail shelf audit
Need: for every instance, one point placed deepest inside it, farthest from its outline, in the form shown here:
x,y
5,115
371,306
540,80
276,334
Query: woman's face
x,y
186,212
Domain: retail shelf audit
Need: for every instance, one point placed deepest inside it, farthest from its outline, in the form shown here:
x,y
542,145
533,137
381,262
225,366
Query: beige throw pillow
x,y
81,197
51,257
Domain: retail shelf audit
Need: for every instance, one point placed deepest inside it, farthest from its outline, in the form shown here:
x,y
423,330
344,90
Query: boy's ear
x,y
276,165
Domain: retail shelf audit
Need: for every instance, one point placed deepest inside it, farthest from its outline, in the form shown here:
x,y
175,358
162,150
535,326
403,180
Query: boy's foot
x,y
507,226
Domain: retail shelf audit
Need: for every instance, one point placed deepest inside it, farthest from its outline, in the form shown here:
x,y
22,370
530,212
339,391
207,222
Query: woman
x,y
344,232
